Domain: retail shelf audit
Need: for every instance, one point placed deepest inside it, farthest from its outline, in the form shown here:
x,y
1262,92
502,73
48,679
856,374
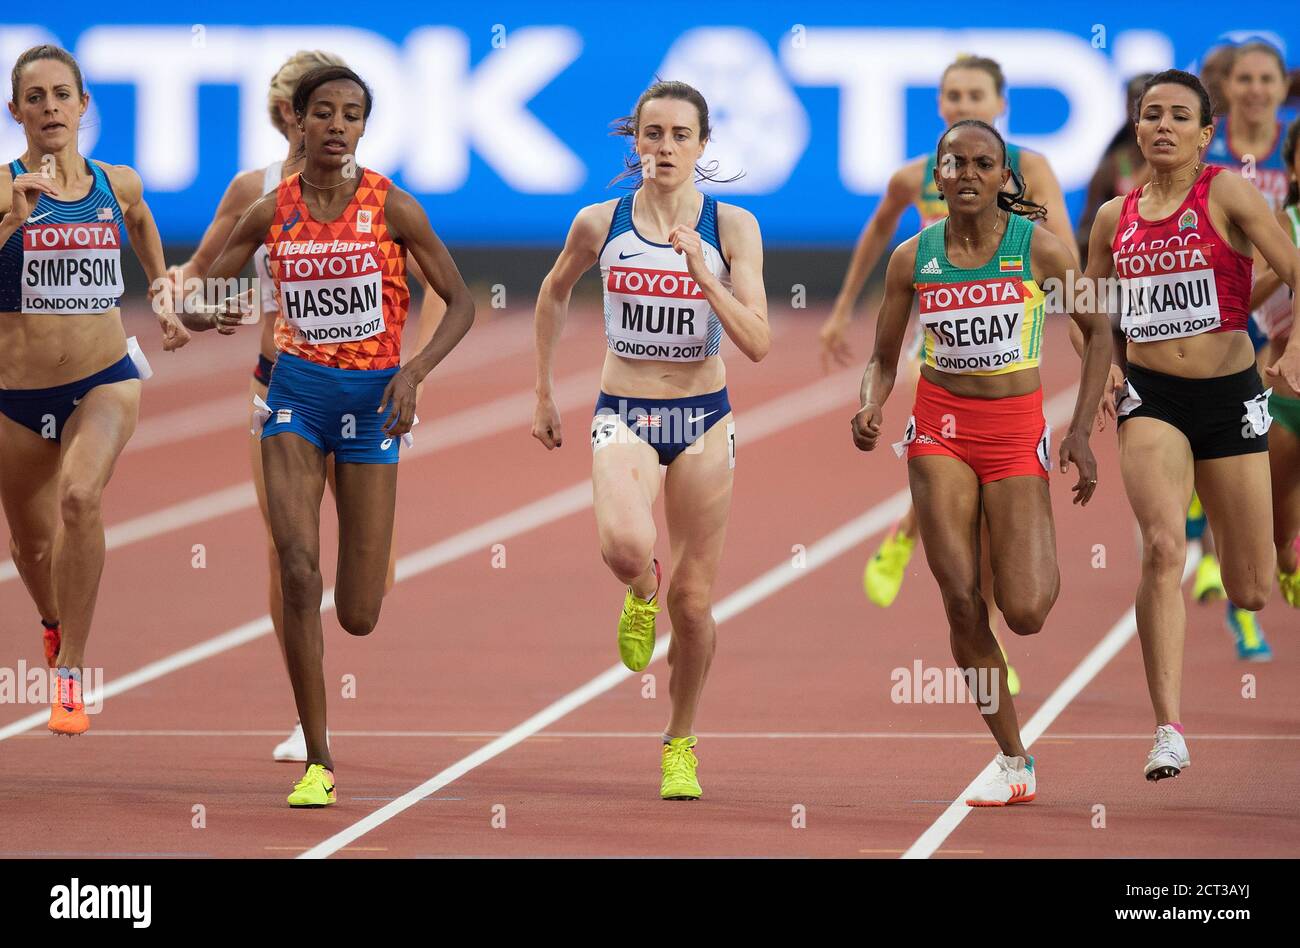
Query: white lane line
x,y
503,414
1087,669
823,551
768,418
711,735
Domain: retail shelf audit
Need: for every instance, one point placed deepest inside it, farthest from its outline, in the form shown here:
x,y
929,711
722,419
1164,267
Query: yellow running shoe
x,y
679,765
1013,680
1208,585
1289,583
315,789
883,577
636,627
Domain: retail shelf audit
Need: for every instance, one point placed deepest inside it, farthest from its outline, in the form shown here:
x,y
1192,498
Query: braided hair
x,y
1013,202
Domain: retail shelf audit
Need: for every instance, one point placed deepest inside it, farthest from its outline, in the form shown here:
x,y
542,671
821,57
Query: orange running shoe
x,y
53,638
67,712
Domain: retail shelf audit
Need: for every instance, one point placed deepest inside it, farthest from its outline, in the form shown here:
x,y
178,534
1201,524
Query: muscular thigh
x,y
366,497
29,467
294,470
1237,495
946,498
98,430
1022,537
697,501
625,476
1156,464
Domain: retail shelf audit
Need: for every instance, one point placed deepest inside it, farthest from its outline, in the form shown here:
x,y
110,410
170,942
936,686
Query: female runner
x,y
337,236
977,445
244,189
972,87
1247,139
69,376
1284,403
1192,411
678,268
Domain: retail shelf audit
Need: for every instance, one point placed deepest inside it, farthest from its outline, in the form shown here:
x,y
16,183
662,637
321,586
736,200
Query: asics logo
x,y
388,443
297,216
629,256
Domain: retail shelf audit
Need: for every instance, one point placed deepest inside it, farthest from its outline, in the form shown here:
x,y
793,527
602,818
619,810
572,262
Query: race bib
x,y
973,327
1257,419
71,268
331,291
655,314
909,435
1169,305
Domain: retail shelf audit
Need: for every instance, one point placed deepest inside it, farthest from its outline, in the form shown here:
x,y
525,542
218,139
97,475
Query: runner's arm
x,y
742,310
581,250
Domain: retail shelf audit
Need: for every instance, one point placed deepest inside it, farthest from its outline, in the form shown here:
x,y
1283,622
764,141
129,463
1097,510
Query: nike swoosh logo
x,y
35,217
297,216
691,421
77,401
629,256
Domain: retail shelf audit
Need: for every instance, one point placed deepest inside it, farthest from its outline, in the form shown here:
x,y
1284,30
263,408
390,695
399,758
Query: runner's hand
x,y
27,190
1109,393
866,427
1075,448
546,423
1287,367
399,397
834,338
174,333
686,241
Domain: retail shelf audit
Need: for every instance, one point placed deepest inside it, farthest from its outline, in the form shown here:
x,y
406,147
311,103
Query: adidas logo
x,y
932,267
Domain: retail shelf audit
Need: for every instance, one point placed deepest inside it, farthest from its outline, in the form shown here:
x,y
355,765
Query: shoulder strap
x,y
709,222
621,222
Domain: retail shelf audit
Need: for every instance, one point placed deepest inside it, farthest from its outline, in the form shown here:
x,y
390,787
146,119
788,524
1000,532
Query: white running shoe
x,y
1012,782
1169,754
293,749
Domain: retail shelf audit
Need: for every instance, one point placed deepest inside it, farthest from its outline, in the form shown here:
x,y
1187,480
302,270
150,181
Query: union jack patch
x,y
648,421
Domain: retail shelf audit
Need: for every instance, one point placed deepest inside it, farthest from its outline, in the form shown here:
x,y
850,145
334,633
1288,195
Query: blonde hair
x,y
286,79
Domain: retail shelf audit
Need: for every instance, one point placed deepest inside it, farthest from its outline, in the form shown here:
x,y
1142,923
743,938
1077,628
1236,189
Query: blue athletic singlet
x,y
1267,172
67,257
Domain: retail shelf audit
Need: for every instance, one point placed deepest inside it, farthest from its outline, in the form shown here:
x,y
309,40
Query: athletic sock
x,y
1029,763
1176,726
50,625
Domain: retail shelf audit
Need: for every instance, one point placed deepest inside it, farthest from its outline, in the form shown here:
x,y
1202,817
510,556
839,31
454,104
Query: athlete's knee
x,y
300,578
1248,590
965,609
627,556
79,503
357,620
690,608
1164,553
1027,618
32,551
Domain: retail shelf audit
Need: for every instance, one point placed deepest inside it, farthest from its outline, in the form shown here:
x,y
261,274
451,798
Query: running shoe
x,y
1289,583
883,577
679,764
293,749
1208,585
636,627
67,711
1248,635
315,789
1013,680
52,639
1168,756
1012,781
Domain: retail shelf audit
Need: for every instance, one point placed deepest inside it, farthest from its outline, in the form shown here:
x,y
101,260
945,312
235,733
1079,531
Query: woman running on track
x,y
1192,411
972,87
246,188
978,447
663,396
1247,140
1284,403
337,236
69,376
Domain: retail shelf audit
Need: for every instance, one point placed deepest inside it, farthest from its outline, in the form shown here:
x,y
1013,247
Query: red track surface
x,y
797,712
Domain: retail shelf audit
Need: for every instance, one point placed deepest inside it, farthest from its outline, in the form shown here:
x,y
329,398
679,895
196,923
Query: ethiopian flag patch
x,y
1010,264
